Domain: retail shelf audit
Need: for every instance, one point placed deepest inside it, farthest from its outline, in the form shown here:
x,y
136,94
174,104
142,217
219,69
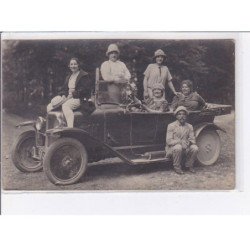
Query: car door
x,y
117,127
163,120
149,131
143,128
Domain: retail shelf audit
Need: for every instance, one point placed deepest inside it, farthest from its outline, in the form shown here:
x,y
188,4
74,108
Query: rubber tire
x,y
50,152
15,155
215,143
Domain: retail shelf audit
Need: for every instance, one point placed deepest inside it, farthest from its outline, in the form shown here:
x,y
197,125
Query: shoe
x,y
178,171
192,170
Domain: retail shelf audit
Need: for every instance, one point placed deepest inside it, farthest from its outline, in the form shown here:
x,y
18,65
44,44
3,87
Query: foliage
x,y
34,69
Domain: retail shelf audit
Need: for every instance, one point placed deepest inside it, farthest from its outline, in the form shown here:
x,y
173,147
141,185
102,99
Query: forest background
x,y
33,70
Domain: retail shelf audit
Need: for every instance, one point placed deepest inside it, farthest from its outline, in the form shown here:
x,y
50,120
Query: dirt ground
x,y
112,174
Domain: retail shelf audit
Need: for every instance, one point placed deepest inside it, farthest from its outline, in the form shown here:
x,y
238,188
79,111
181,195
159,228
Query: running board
x,y
147,161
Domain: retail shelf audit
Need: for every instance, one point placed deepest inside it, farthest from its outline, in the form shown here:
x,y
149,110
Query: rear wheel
x,y
65,161
209,144
22,155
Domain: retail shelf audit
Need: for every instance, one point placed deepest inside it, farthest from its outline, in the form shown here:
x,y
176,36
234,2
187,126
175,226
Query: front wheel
x,y
209,144
65,161
22,152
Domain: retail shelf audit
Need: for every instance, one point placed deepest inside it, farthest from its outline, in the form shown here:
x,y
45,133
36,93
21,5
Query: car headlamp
x,y
40,123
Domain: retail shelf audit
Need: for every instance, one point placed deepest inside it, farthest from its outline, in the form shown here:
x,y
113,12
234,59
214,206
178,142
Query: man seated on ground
x,y
180,141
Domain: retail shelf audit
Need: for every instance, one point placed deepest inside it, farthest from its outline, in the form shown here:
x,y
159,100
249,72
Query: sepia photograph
x,y
118,113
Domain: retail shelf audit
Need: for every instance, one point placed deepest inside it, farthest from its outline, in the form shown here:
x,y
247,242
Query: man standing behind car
x,y
180,141
114,70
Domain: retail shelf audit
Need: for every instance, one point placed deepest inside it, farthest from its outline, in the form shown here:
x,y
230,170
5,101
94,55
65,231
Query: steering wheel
x,y
109,103
140,106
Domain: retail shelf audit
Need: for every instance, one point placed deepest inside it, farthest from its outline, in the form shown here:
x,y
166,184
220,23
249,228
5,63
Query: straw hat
x,y
56,102
112,48
159,52
180,108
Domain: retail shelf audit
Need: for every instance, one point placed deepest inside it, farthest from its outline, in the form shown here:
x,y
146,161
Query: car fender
x,y
28,123
81,134
198,128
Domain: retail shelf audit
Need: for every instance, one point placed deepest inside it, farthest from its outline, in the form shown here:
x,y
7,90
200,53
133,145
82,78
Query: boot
x,y
178,170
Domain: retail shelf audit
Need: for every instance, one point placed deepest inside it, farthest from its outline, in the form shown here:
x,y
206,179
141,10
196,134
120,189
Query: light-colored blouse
x,y
72,83
157,74
112,71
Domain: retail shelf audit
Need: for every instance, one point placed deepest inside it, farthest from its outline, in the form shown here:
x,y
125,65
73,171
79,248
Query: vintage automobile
x,y
110,131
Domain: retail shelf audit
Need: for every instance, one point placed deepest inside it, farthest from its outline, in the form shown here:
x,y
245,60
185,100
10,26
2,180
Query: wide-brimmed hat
x,y
56,102
158,86
159,52
180,108
111,48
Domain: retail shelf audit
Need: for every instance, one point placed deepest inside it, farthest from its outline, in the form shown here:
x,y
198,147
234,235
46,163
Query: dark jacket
x,y
82,91
82,88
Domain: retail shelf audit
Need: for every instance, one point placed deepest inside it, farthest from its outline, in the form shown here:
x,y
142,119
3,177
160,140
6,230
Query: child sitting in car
x,y
157,103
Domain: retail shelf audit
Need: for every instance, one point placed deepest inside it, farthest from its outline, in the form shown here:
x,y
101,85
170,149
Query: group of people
x,y
180,137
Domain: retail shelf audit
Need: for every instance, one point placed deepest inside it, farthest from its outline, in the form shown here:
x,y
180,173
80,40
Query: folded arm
x,y
170,137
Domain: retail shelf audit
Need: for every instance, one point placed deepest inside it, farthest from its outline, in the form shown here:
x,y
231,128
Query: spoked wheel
x,y
209,144
65,161
22,153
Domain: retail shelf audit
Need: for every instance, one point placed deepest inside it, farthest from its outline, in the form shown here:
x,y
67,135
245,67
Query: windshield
x,y
109,92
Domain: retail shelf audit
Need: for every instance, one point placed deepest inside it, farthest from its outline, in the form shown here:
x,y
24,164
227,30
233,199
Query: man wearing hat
x,y
157,73
114,70
180,141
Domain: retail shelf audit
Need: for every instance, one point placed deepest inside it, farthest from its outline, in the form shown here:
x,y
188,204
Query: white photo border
x,y
151,202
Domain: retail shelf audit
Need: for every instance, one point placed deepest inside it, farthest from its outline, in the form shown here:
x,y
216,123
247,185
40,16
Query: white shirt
x,y
112,71
72,83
